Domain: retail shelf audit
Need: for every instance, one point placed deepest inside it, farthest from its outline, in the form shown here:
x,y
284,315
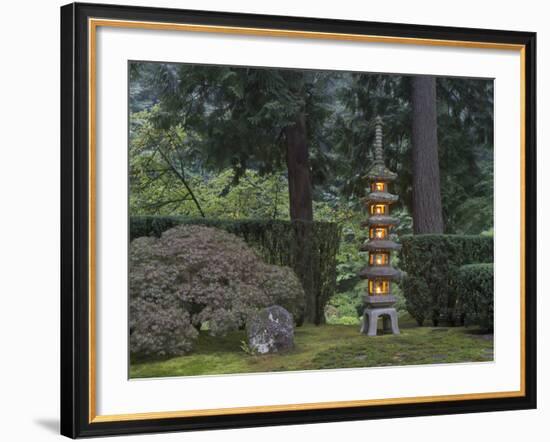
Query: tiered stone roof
x,y
379,172
380,220
380,197
386,272
379,245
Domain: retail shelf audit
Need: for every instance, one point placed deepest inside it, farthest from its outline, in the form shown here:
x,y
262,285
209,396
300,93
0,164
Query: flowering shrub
x,y
159,330
193,275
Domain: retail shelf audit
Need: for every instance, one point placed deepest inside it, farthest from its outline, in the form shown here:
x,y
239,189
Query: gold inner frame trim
x,y
93,24
297,407
299,34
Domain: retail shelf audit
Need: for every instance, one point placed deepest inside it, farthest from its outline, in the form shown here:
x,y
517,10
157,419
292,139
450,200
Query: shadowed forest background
x,y
277,157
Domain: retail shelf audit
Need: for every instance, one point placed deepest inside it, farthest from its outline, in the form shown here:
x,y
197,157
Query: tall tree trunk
x,y
427,212
301,213
299,179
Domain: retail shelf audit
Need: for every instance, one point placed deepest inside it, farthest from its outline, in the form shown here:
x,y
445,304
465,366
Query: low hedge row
x,y
309,248
474,285
430,263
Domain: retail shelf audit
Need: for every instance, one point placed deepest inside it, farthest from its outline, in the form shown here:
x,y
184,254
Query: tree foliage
x,y
219,118
238,115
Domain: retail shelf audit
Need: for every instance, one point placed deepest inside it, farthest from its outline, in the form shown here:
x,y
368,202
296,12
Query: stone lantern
x,y
379,299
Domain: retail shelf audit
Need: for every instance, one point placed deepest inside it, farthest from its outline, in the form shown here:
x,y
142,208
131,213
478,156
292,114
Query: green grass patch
x,y
326,347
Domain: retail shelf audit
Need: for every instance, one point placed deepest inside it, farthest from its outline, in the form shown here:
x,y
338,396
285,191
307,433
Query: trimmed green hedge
x,y
309,248
474,284
431,262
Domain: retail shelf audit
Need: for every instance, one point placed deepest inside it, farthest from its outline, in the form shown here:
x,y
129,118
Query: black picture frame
x,y
75,221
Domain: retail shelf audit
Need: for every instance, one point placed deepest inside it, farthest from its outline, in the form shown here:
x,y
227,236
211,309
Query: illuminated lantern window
x,y
378,232
378,187
378,209
378,259
379,287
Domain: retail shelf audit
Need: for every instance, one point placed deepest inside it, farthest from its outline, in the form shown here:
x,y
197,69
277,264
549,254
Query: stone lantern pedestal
x,y
380,274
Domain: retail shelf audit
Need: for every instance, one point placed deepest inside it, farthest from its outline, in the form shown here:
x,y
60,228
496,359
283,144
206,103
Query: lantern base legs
x,y
369,322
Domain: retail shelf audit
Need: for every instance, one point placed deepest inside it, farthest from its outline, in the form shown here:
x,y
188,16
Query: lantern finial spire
x,y
378,146
378,170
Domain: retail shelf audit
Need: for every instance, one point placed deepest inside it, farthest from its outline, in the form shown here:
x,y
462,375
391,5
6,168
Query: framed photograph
x,y
274,220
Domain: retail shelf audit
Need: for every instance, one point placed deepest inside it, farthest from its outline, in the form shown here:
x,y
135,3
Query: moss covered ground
x,y
326,347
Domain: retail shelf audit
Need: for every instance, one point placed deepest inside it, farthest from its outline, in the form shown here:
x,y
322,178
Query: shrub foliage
x,y
474,285
194,275
430,263
309,248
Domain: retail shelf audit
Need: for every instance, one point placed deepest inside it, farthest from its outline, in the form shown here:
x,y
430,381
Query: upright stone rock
x,y
379,300
271,330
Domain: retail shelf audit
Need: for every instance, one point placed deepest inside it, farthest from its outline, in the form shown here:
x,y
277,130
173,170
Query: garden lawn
x,y
325,347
